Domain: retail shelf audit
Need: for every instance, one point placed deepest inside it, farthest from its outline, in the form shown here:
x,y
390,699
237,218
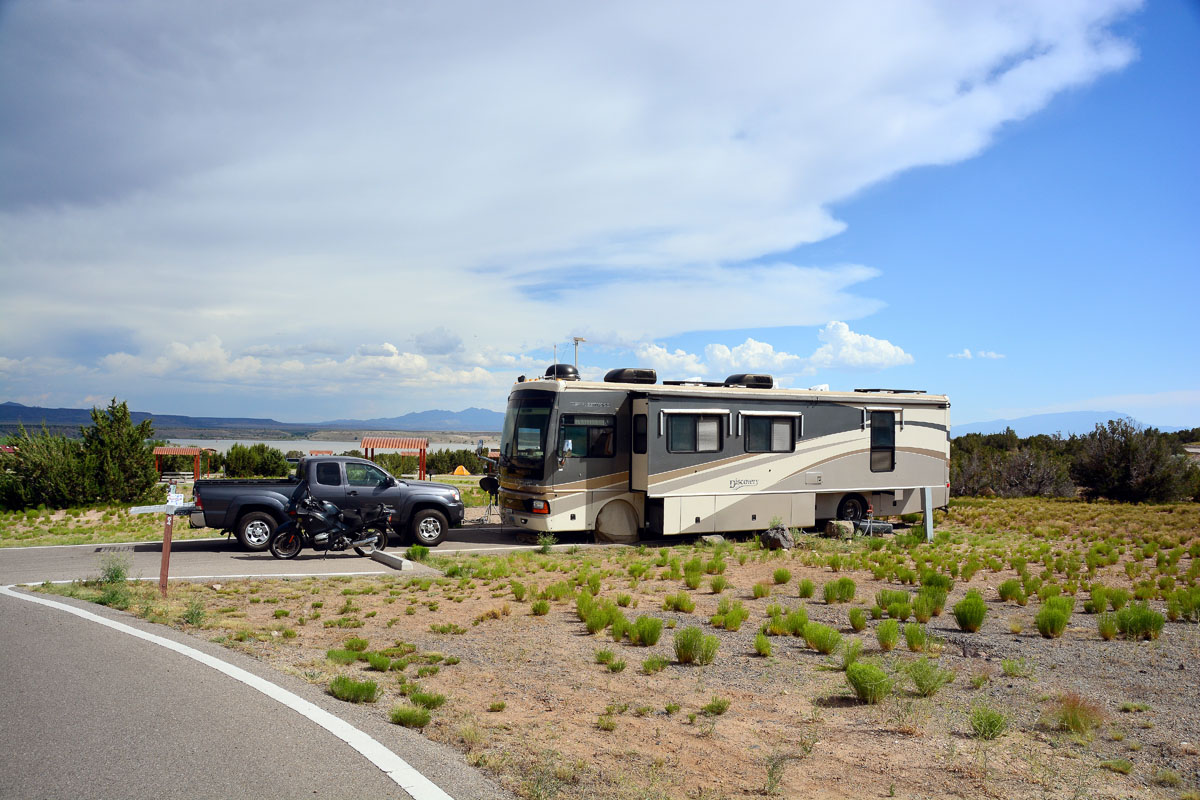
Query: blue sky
x,y
278,211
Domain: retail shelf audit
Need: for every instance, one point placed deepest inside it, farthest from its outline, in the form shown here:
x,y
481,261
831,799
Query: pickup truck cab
x,y
253,508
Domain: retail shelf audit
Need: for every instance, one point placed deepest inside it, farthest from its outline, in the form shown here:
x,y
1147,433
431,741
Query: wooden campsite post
x,y
174,503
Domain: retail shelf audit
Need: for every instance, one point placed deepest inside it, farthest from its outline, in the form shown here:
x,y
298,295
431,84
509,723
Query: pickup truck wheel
x,y
428,527
255,529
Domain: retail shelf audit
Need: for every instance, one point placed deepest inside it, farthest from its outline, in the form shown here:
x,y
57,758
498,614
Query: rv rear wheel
x,y
853,508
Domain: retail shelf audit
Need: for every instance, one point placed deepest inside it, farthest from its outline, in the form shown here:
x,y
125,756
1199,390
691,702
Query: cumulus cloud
x,y
967,354
669,362
351,178
844,348
749,355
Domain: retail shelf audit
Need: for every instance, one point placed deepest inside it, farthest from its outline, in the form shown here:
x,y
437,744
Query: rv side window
x,y
883,441
691,433
590,436
770,434
639,434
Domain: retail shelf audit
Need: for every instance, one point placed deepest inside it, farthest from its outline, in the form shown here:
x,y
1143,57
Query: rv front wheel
x,y
853,507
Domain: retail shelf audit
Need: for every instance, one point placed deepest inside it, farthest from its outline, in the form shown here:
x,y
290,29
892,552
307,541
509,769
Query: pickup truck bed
x,y
253,508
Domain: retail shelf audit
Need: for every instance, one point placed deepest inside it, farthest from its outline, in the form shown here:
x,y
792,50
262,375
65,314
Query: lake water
x,y
304,445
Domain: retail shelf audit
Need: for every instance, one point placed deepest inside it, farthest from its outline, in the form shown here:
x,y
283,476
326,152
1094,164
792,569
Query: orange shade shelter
x,y
194,452
406,445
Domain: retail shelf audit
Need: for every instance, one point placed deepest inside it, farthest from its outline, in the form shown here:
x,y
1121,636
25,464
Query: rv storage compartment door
x,y
639,447
804,510
752,512
680,514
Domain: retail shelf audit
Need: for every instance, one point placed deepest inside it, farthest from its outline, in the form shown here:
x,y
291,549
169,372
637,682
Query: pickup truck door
x,y
367,485
325,482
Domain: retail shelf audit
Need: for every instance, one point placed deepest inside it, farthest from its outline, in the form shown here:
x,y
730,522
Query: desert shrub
x,y
429,700
936,580
900,611
1117,598
936,597
1012,590
1098,601
417,552
1106,626
885,597
782,576
821,638
970,611
858,619
870,683
1139,621
679,602
646,631
1184,604
378,662
356,644
540,608
708,649
718,584
915,636
1017,667
1076,713
1051,621
716,706
839,591
806,588
604,656
410,716
987,723
928,677
922,608
887,633
851,651
353,691
762,644
1124,462
761,590
688,643
342,656
654,664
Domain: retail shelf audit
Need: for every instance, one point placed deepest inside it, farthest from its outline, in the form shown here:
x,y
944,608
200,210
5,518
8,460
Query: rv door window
x,y
883,441
590,436
691,433
770,434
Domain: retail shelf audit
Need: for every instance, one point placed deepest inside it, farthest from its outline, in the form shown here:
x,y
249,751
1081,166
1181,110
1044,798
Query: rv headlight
x,y
539,507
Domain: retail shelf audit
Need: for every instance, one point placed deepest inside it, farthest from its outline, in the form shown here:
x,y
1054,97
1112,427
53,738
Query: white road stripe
x,y
406,777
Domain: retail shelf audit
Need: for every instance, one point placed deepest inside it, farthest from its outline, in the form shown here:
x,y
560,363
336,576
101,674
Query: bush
x,y
821,638
762,645
870,683
987,723
782,576
935,596
839,591
915,636
410,716
858,620
540,608
679,602
1106,625
646,631
887,633
259,459
970,611
851,651
1139,621
419,552
353,691
806,588
654,664
1124,462
1012,590
687,644
761,590
928,677
900,611
1077,714
922,608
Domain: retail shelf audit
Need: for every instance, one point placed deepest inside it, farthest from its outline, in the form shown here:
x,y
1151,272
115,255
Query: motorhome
x,y
628,456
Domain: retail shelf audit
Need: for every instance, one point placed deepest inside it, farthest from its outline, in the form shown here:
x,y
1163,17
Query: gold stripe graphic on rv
x,y
613,481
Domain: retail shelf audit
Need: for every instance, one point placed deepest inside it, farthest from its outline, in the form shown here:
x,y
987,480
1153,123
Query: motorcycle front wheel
x,y
379,543
286,544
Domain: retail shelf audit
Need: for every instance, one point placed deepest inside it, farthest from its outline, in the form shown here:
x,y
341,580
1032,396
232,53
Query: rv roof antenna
x,y
577,340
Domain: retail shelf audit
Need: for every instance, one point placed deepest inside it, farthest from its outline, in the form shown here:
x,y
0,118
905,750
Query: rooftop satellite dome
x,y
562,372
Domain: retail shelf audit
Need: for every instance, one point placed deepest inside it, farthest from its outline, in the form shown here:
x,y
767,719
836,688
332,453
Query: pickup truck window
x,y
364,475
328,474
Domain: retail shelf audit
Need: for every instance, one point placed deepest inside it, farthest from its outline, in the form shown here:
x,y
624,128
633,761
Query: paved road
x,y
93,712
204,558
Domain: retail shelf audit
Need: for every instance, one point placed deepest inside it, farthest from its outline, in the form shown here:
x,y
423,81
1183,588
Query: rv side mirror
x,y
564,453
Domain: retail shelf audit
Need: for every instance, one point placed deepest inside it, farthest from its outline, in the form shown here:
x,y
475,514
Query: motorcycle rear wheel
x,y
379,543
286,544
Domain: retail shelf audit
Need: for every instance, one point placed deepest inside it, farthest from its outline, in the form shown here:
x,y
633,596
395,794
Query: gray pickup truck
x,y
252,508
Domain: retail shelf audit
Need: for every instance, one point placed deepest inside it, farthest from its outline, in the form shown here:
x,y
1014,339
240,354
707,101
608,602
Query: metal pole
x,y
577,340
927,511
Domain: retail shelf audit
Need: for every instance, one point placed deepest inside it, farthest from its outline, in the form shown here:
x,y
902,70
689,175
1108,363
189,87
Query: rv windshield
x,y
525,426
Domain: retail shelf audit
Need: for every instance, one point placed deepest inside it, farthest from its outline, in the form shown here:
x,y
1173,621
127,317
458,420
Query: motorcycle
x,y
321,525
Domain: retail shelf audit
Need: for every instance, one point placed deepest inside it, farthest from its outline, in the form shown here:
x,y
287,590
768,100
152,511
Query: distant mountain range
x,y
62,419
1066,423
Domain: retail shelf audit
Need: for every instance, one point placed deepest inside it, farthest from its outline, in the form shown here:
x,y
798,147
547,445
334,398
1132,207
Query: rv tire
x,y
853,508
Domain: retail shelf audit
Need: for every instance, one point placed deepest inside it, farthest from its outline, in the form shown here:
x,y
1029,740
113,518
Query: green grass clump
x,y
922,608
1117,598
1016,667
933,598
970,611
539,608
915,637
928,677
851,651
762,644
1122,765
654,664
718,584
692,646
1077,714
900,611
1013,590
679,602
604,656
821,638
646,631
1051,621
427,700
342,656
417,552
353,691
1106,626
717,705
870,683
410,716
839,591
761,590
887,633
806,588
987,723
885,597
858,619
782,576
1139,621
378,662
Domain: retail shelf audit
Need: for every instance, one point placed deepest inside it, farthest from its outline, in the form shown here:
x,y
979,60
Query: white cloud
x,y
498,184
749,355
668,362
967,354
844,348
